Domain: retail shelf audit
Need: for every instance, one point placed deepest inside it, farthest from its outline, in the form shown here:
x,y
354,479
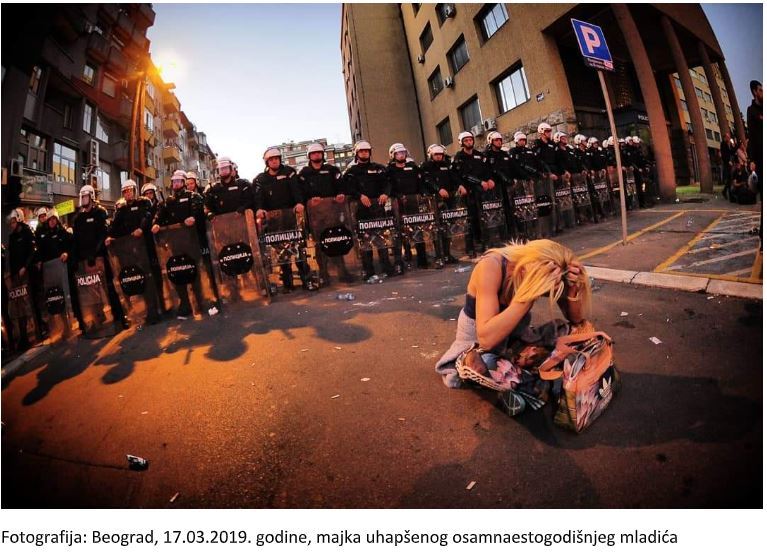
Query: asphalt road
x,y
316,402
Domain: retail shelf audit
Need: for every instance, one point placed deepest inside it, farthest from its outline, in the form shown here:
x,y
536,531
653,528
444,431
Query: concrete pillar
x,y
713,84
661,143
696,118
740,130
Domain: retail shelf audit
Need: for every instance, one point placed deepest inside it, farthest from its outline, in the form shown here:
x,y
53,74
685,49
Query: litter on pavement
x,y
656,340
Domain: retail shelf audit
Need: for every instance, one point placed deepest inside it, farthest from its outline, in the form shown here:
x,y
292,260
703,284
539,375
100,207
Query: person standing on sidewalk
x,y
754,116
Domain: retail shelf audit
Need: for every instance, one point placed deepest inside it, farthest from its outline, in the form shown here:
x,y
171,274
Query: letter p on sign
x,y
591,38
593,46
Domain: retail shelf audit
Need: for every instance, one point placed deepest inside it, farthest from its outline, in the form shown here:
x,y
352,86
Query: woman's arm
x,y
494,327
571,302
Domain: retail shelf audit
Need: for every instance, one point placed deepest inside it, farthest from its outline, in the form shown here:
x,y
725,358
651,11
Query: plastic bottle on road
x,y
345,296
462,269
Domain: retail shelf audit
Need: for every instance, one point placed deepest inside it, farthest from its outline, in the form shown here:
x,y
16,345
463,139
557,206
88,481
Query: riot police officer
x,y
229,193
277,188
90,233
442,180
406,180
133,214
368,182
22,252
546,152
471,168
501,170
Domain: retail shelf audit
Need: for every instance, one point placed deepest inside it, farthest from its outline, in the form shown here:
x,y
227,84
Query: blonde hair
x,y
539,268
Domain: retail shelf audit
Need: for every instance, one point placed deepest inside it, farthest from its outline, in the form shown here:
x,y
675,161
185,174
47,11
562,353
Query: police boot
x,y
421,260
286,276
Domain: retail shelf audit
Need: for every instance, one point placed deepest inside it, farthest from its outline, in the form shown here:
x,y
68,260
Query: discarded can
x,y
462,269
375,280
213,311
345,296
137,463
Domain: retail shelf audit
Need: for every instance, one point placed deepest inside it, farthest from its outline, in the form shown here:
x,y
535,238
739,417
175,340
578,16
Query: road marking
x,y
713,260
631,237
756,269
682,251
719,247
716,277
740,272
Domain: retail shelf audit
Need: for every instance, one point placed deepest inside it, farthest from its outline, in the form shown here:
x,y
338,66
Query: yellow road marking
x,y
756,269
682,251
717,276
631,237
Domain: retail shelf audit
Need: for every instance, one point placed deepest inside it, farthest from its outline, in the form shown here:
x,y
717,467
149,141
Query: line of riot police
x,y
239,240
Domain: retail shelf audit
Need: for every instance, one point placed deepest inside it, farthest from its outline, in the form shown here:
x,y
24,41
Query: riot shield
x,y
544,192
612,177
563,201
521,192
420,228
20,310
581,198
631,189
492,218
182,265
455,228
93,297
57,309
237,264
602,194
377,229
283,239
332,241
133,279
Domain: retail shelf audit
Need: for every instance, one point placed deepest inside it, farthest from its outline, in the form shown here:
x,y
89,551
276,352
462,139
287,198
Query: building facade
x,y
81,103
294,153
507,67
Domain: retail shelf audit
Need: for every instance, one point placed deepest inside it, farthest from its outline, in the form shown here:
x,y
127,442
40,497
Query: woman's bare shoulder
x,y
487,273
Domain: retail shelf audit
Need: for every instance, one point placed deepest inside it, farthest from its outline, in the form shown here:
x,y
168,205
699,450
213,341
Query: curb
x,y
677,282
24,359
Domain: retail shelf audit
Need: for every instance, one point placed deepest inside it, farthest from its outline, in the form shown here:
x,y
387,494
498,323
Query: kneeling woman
x,y
502,289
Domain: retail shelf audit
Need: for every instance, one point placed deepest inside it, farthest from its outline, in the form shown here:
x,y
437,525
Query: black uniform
x,y
89,233
279,192
408,180
372,180
53,243
223,198
325,182
524,163
501,169
440,176
471,170
131,215
21,249
546,152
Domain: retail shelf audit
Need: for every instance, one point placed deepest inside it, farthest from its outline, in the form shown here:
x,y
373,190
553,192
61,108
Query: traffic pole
x,y
617,154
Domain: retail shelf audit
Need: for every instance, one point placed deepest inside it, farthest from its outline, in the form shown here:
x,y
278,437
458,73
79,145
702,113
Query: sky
x,y
254,75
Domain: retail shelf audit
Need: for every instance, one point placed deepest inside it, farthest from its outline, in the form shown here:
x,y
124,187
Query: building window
x,y
699,93
708,97
89,74
87,118
444,11
458,55
435,83
470,114
64,163
34,149
67,116
103,176
704,113
689,127
34,80
678,83
491,19
150,90
102,130
426,38
444,132
148,120
709,134
511,89
109,86
717,136
684,105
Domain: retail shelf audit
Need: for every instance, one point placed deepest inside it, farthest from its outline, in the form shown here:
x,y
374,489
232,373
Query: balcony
x,y
119,109
170,128
97,48
124,28
109,12
117,62
70,23
148,136
170,103
171,154
149,103
150,172
144,16
192,139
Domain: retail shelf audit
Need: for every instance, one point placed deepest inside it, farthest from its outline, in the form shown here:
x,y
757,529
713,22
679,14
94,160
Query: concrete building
x,y
81,103
421,73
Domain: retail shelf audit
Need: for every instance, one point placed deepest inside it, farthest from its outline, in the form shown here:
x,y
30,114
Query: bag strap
x,y
550,369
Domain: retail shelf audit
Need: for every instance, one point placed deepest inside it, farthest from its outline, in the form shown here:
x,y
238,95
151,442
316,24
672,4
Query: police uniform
x,y
440,176
406,181
472,169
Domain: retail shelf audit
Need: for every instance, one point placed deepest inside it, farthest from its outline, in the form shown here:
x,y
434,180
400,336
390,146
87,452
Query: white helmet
x,y
316,147
558,135
493,135
272,152
148,187
519,135
17,214
41,211
604,143
592,141
543,127
86,190
434,149
621,141
53,212
178,174
463,135
610,140
191,175
361,145
223,161
129,184
396,147
636,139
578,139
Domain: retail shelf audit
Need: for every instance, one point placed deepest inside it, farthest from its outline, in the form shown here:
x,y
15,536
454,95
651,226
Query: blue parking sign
x,y
593,45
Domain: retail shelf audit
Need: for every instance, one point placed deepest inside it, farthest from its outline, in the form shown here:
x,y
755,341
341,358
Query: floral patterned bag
x,y
590,379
